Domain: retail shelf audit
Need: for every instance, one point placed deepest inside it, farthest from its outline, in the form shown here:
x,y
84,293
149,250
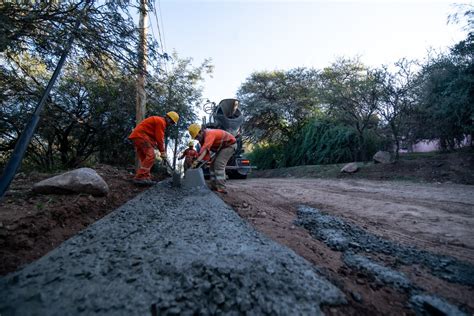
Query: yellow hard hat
x,y
194,130
173,116
191,144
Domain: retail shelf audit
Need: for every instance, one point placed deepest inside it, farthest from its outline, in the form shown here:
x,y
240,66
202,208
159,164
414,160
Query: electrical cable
x,y
25,138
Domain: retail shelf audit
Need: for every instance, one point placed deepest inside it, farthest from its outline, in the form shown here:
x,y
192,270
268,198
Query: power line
x,y
159,31
163,48
162,24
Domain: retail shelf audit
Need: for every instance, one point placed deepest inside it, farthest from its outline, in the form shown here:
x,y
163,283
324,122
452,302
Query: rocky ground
x,y
33,224
389,247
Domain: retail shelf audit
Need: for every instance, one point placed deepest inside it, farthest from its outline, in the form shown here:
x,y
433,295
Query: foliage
x,y
352,94
266,156
398,98
319,141
89,115
276,102
178,89
445,88
41,28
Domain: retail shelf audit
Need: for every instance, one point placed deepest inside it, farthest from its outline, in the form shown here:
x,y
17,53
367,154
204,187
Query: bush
x,y
266,156
319,141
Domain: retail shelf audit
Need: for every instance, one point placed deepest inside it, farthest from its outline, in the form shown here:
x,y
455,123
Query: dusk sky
x,y
246,36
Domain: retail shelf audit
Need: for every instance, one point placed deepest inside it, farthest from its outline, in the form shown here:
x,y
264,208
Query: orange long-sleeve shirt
x,y
152,129
215,139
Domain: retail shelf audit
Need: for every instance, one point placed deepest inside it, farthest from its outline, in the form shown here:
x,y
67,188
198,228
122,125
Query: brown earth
x,y
32,224
434,217
450,167
431,212
423,206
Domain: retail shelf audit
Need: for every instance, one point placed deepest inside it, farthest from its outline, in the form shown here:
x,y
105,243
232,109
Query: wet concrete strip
x,y
168,251
433,305
350,239
383,274
342,236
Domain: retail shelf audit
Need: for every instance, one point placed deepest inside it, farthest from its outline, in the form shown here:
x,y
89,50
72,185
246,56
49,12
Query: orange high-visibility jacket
x,y
151,129
189,154
216,139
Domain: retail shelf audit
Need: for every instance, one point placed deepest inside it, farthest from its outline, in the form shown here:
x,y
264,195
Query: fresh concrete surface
x,y
168,251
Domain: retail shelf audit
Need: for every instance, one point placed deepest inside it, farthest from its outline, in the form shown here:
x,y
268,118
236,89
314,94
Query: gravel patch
x,y
342,236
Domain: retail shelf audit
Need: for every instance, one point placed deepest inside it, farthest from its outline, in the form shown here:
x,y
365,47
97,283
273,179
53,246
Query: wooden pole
x,y
140,109
142,54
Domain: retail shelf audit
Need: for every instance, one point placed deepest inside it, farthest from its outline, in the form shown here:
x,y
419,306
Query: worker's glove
x,y
196,164
157,156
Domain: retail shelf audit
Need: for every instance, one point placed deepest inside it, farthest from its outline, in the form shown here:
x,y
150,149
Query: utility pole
x,y
142,49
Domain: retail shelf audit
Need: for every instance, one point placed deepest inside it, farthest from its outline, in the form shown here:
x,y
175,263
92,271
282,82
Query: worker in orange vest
x,y
223,144
189,155
147,135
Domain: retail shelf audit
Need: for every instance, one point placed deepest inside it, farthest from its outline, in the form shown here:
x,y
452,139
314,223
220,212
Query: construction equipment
x,y
227,116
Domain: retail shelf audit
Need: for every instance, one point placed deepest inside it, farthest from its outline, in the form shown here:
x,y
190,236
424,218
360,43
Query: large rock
x,y
382,157
350,168
83,180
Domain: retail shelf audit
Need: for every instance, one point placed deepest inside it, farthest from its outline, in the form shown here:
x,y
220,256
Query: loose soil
x,y
435,218
433,212
32,224
449,167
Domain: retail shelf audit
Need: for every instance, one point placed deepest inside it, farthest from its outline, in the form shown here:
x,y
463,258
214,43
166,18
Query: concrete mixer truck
x,y
227,116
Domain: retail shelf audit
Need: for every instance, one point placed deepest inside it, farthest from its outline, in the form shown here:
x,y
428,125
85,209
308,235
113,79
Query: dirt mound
x,y
32,225
453,167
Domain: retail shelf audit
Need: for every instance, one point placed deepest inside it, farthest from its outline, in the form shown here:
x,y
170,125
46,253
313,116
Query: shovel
x,y
176,175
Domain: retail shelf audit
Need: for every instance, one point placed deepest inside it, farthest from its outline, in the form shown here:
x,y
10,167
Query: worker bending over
x,y
189,155
223,144
147,135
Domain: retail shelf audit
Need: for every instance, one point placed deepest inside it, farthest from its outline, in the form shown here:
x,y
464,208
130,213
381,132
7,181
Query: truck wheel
x,y
237,175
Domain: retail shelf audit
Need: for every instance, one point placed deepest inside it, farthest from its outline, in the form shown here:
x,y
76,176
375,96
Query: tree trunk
x,y
141,94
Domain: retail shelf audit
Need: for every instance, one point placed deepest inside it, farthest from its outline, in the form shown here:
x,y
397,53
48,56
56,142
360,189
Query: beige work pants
x,y
217,168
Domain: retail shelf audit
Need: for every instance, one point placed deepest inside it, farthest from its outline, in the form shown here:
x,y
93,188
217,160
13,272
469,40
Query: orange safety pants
x,y
146,158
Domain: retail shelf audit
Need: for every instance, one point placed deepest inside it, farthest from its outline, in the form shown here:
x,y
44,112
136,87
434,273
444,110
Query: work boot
x,y
223,191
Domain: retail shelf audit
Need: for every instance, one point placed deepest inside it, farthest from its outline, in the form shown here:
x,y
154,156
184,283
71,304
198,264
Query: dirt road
x,y
391,246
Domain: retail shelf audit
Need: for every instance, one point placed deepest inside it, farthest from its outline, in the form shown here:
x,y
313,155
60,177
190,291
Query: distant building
x,y
425,146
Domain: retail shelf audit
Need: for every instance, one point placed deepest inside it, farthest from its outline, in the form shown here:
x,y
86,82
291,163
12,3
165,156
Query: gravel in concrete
x,y
433,305
380,272
342,236
168,252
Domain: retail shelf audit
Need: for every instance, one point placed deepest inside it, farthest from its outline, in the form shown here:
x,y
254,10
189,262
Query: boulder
x,y
350,168
382,157
83,180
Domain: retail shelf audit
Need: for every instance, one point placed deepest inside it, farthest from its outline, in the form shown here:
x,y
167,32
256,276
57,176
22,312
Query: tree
x,y
277,102
397,99
352,93
41,28
446,96
178,89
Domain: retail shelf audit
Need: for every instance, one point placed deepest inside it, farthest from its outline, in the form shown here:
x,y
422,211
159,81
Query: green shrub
x,y
266,156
